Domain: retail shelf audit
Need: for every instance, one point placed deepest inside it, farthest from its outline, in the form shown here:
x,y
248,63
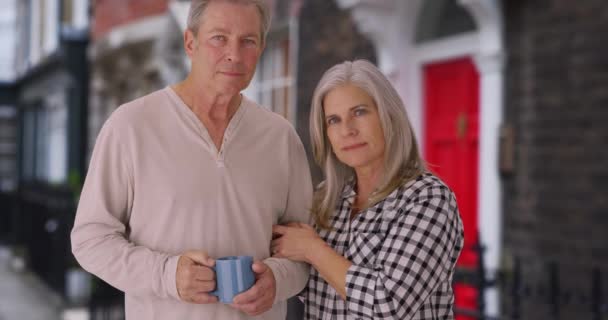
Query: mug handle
x,y
215,292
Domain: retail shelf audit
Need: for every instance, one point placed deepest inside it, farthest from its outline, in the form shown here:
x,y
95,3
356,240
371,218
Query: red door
x,y
451,146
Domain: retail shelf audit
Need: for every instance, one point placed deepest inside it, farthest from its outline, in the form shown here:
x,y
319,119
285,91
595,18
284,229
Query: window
x,y
29,144
8,31
273,85
42,146
45,142
23,34
43,30
57,138
50,19
34,29
442,18
8,156
67,12
274,79
75,14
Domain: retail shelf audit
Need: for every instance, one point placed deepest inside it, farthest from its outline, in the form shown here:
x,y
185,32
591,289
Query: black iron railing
x,y
521,294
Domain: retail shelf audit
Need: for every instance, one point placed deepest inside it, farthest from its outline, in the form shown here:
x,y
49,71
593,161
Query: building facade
x,y
506,99
8,114
554,203
43,114
132,54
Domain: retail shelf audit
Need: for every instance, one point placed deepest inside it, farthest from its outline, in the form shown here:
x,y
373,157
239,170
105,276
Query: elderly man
x,y
194,172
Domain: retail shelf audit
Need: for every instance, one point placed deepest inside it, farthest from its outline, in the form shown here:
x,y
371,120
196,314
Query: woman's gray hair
x,y
402,161
198,7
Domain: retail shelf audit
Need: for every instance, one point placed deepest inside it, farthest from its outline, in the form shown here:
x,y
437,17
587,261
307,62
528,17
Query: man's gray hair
x,y
198,7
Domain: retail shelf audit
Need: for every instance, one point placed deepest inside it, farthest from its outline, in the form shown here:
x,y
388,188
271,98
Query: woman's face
x,y
353,127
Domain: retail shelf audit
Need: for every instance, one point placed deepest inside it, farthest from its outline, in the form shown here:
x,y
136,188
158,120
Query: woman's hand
x,y
295,241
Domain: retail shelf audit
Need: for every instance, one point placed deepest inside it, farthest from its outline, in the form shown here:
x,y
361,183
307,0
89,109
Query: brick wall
x,y
112,13
556,200
327,36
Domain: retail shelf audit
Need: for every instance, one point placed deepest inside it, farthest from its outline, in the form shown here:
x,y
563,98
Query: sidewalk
x,y
24,296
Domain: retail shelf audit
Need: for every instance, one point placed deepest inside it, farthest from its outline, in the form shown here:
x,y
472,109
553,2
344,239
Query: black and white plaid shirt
x,y
403,251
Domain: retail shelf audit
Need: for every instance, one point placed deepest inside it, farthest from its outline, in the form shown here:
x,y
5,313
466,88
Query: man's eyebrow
x,y
219,29
224,30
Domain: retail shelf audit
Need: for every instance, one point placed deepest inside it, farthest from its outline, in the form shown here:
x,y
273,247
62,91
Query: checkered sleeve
x,y
416,255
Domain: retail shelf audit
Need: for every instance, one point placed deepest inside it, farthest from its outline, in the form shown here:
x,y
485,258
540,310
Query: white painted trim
x,y
51,26
179,11
8,41
489,188
274,83
488,16
34,33
458,46
376,20
294,47
450,48
145,29
273,55
80,13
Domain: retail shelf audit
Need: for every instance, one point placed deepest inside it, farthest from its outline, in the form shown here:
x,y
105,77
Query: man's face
x,y
226,50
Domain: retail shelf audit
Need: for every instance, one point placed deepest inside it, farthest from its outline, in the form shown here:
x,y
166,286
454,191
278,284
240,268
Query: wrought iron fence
x,y
548,294
107,303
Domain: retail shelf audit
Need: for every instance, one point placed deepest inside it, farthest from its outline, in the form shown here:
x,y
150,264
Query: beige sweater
x,y
157,186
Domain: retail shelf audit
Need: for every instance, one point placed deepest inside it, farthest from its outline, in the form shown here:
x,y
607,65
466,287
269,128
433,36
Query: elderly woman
x,y
387,232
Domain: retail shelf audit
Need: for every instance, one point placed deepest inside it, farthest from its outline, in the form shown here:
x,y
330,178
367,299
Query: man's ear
x,y
190,42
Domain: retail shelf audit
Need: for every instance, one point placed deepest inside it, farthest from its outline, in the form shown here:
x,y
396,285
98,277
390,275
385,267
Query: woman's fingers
x,y
275,246
279,229
276,252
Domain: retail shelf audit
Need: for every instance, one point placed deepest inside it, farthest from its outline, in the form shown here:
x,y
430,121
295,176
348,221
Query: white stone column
x,y
490,65
379,21
489,190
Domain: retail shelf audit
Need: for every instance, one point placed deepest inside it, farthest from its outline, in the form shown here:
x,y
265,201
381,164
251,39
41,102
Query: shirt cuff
x,y
360,291
170,271
278,272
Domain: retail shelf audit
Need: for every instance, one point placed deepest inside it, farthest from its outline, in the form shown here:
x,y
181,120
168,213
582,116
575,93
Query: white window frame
x,y
51,26
80,14
261,89
8,38
34,33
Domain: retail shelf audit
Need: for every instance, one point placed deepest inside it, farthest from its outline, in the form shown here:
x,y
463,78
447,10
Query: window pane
x,y
41,145
80,14
51,22
8,152
29,144
272,85
57,145
67,12
442,18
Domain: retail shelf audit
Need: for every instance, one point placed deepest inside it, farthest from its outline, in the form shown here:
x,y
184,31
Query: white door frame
x,y
428,53
402,61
